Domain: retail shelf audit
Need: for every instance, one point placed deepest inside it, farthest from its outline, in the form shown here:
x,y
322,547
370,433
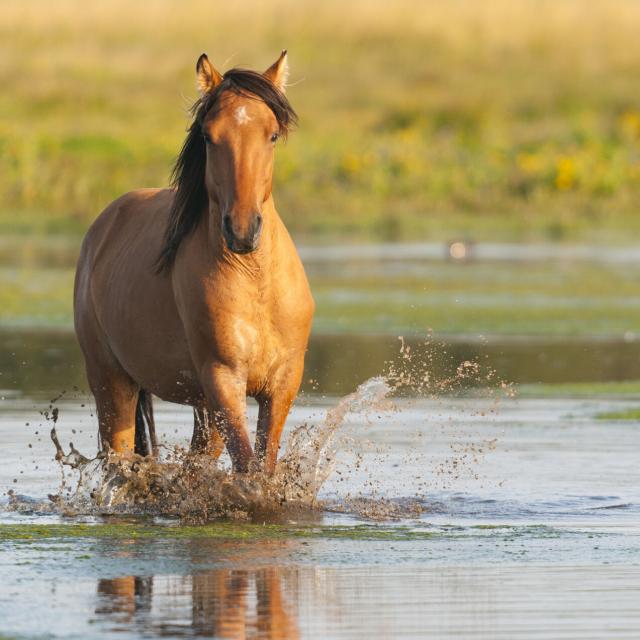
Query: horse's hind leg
x,y
115,392
116,396
206,438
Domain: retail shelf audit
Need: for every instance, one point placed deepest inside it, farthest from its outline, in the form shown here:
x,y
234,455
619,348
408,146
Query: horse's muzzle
x,y
245,243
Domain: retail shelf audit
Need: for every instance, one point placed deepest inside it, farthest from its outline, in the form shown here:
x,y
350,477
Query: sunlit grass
x,y
493,120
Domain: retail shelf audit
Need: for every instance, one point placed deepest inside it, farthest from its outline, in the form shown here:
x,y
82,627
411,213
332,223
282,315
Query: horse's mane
x,y
188,172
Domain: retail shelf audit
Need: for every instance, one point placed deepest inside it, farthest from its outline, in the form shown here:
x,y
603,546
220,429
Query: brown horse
x,y
196,294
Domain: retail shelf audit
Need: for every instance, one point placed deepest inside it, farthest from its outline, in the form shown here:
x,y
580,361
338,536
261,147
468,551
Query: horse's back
x,y
122,221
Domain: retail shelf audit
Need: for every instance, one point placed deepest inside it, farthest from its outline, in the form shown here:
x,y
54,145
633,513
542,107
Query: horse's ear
x,y
208,77
278,72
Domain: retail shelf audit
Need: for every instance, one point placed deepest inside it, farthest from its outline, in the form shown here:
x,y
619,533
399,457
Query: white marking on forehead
x,y
241,115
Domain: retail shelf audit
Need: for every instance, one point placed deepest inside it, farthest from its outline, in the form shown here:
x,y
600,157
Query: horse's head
x,y
244,113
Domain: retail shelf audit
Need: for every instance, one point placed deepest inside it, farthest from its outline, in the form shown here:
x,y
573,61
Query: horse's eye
x,y
207,137
274,137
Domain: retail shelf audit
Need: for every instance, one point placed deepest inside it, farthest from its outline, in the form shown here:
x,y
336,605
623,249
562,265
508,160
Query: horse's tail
x,y
144,420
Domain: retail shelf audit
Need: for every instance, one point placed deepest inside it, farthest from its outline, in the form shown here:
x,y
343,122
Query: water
x,y
198,488
537,535
39,363
450,515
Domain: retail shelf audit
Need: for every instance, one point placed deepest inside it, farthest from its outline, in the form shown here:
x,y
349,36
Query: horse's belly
x,y
183,387
139,317
153,349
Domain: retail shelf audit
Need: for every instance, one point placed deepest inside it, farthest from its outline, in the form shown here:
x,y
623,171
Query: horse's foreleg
x,y
271,606
272,414
225,392
274,405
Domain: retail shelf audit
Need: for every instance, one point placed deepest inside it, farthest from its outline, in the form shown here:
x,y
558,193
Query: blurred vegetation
x,y
624,414
509,119
623,389
383,297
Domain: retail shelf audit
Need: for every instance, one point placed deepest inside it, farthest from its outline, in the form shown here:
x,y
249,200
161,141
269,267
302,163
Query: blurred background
x,y
466,169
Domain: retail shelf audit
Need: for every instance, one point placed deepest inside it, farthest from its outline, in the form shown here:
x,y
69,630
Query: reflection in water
x,y
246,600
224,603
125,597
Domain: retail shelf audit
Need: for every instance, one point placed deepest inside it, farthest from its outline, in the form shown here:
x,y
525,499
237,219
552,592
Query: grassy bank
x,y
549,298
501,120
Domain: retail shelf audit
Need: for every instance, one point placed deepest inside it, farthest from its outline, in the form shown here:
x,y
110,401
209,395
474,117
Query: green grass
x,y
501,120
546,299
236,532
627,388
220,530
625,414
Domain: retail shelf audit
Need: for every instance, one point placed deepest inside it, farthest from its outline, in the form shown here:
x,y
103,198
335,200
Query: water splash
x,y
310,455
197,488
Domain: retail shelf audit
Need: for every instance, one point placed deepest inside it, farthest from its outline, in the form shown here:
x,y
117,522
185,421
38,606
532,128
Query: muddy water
x,y
447,517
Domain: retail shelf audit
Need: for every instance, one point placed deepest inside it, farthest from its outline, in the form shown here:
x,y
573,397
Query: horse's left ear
x,y
278,72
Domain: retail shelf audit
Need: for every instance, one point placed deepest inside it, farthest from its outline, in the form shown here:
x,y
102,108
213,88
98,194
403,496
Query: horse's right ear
x,y
208,77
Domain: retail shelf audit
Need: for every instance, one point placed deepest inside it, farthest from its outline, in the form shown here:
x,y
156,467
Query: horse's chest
x,y
256,338
255,330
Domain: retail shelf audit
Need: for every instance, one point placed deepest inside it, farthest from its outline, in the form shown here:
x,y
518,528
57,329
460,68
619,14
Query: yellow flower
x,y
629,123
351,164
565,173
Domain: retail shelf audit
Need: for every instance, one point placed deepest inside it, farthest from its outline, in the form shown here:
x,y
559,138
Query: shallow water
x,y
515,521
448,517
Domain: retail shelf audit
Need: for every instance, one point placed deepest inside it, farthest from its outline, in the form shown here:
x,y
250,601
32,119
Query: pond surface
x,y
520,520
467,513
36,362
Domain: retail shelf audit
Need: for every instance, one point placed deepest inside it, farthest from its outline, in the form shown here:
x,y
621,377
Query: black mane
x,y
188,172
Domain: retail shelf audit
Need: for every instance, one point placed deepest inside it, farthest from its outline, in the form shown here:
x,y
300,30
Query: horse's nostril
x,y
258,222
226,224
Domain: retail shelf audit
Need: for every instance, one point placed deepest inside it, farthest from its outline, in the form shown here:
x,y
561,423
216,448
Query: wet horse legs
x,y
225,392
273,412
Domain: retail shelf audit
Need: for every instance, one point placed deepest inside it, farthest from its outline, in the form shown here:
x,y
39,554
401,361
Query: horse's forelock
x,y
253,85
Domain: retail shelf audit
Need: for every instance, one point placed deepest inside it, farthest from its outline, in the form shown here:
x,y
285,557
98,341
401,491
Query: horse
x,y
196,293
